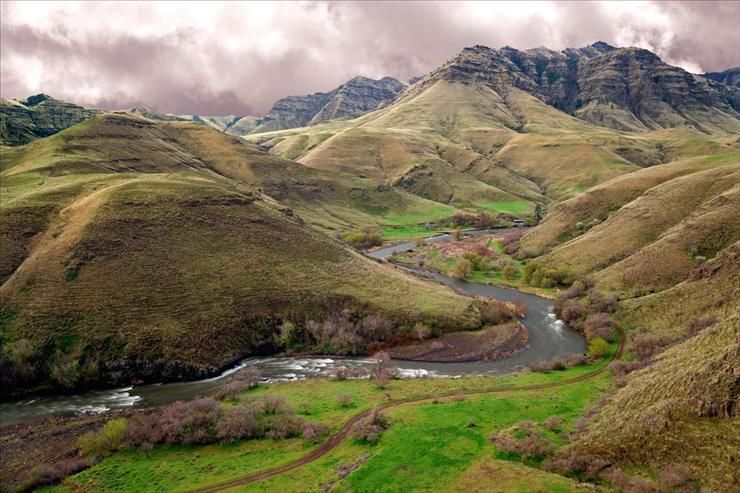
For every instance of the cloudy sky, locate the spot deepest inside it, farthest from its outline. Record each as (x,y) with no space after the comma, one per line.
(237,58)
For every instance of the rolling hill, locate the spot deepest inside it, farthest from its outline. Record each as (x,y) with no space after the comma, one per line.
(129,256)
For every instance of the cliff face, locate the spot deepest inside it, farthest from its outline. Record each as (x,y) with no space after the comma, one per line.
(36,117)
(354,97)
(621,88)
(730,77)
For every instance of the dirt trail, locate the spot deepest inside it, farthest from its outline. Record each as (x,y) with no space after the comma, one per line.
(344,432)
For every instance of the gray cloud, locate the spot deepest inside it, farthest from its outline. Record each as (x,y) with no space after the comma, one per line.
(239,58)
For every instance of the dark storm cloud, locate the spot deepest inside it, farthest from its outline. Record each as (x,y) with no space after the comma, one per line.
(238,58)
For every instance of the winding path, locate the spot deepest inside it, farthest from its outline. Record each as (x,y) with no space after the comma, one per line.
(336,439)
(344,432)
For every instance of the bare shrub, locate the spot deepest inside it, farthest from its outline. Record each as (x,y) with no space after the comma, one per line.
(571,462)
(239,422)
(314,431)
(523,440)
(576,360)
(622,368)
(282,426)
(511,237)
(370,429)
(639,485)
(616,477)
(275,404)
(241,381)
(572,311)
(520,307)
(180,422)
(343,373)
(345,400)
(495,312)
(600,325)
(555,364)
(483,251)
(646,346)
(383,370)
(553,423)
(479,221)
(50,474)
(678,478)
(696,325)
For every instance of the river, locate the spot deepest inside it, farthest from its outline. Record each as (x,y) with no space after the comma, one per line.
(548,338)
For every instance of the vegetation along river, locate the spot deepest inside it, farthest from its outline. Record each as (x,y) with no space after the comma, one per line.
(548,338)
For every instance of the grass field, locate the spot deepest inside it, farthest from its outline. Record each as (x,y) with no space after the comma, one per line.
(519,207)
(429,444)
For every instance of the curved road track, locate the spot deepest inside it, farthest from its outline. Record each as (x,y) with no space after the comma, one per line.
(344,432)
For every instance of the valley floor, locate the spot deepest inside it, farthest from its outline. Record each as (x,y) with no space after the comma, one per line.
(438,440)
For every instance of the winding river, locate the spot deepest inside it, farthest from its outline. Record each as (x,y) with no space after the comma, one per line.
(548,338)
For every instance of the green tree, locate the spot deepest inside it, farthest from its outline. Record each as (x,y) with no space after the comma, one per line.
(537,213)
(598,348)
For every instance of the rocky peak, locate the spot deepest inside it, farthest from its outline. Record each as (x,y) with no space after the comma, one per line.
(356,96)
(22,121)
(36,99)
(623,88)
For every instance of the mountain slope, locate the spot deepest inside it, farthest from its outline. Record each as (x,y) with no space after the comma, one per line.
(683,407)
(162,266)
(37,117)
(354,97)
(658,232)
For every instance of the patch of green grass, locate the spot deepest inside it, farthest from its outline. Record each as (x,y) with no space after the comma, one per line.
(406,232)
(440,436)
(513,207)
(435,213)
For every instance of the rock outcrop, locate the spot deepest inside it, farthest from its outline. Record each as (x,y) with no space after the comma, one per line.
(22,121)
(620,88)
(354,97)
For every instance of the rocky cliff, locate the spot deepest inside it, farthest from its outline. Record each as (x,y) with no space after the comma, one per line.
(354,97)
(22,121)
(621,88)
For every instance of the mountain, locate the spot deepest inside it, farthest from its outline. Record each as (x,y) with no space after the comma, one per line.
(354,97)
(620,88)
(499,129)
(135,249)
(22,121)
(729,77)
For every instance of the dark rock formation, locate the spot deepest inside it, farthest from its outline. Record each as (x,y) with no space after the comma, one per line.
(621,88)
(354,97)
(38,116)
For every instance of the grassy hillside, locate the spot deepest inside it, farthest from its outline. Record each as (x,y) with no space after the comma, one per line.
(158,261)
(572,217)
(673,412)
(653,241)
